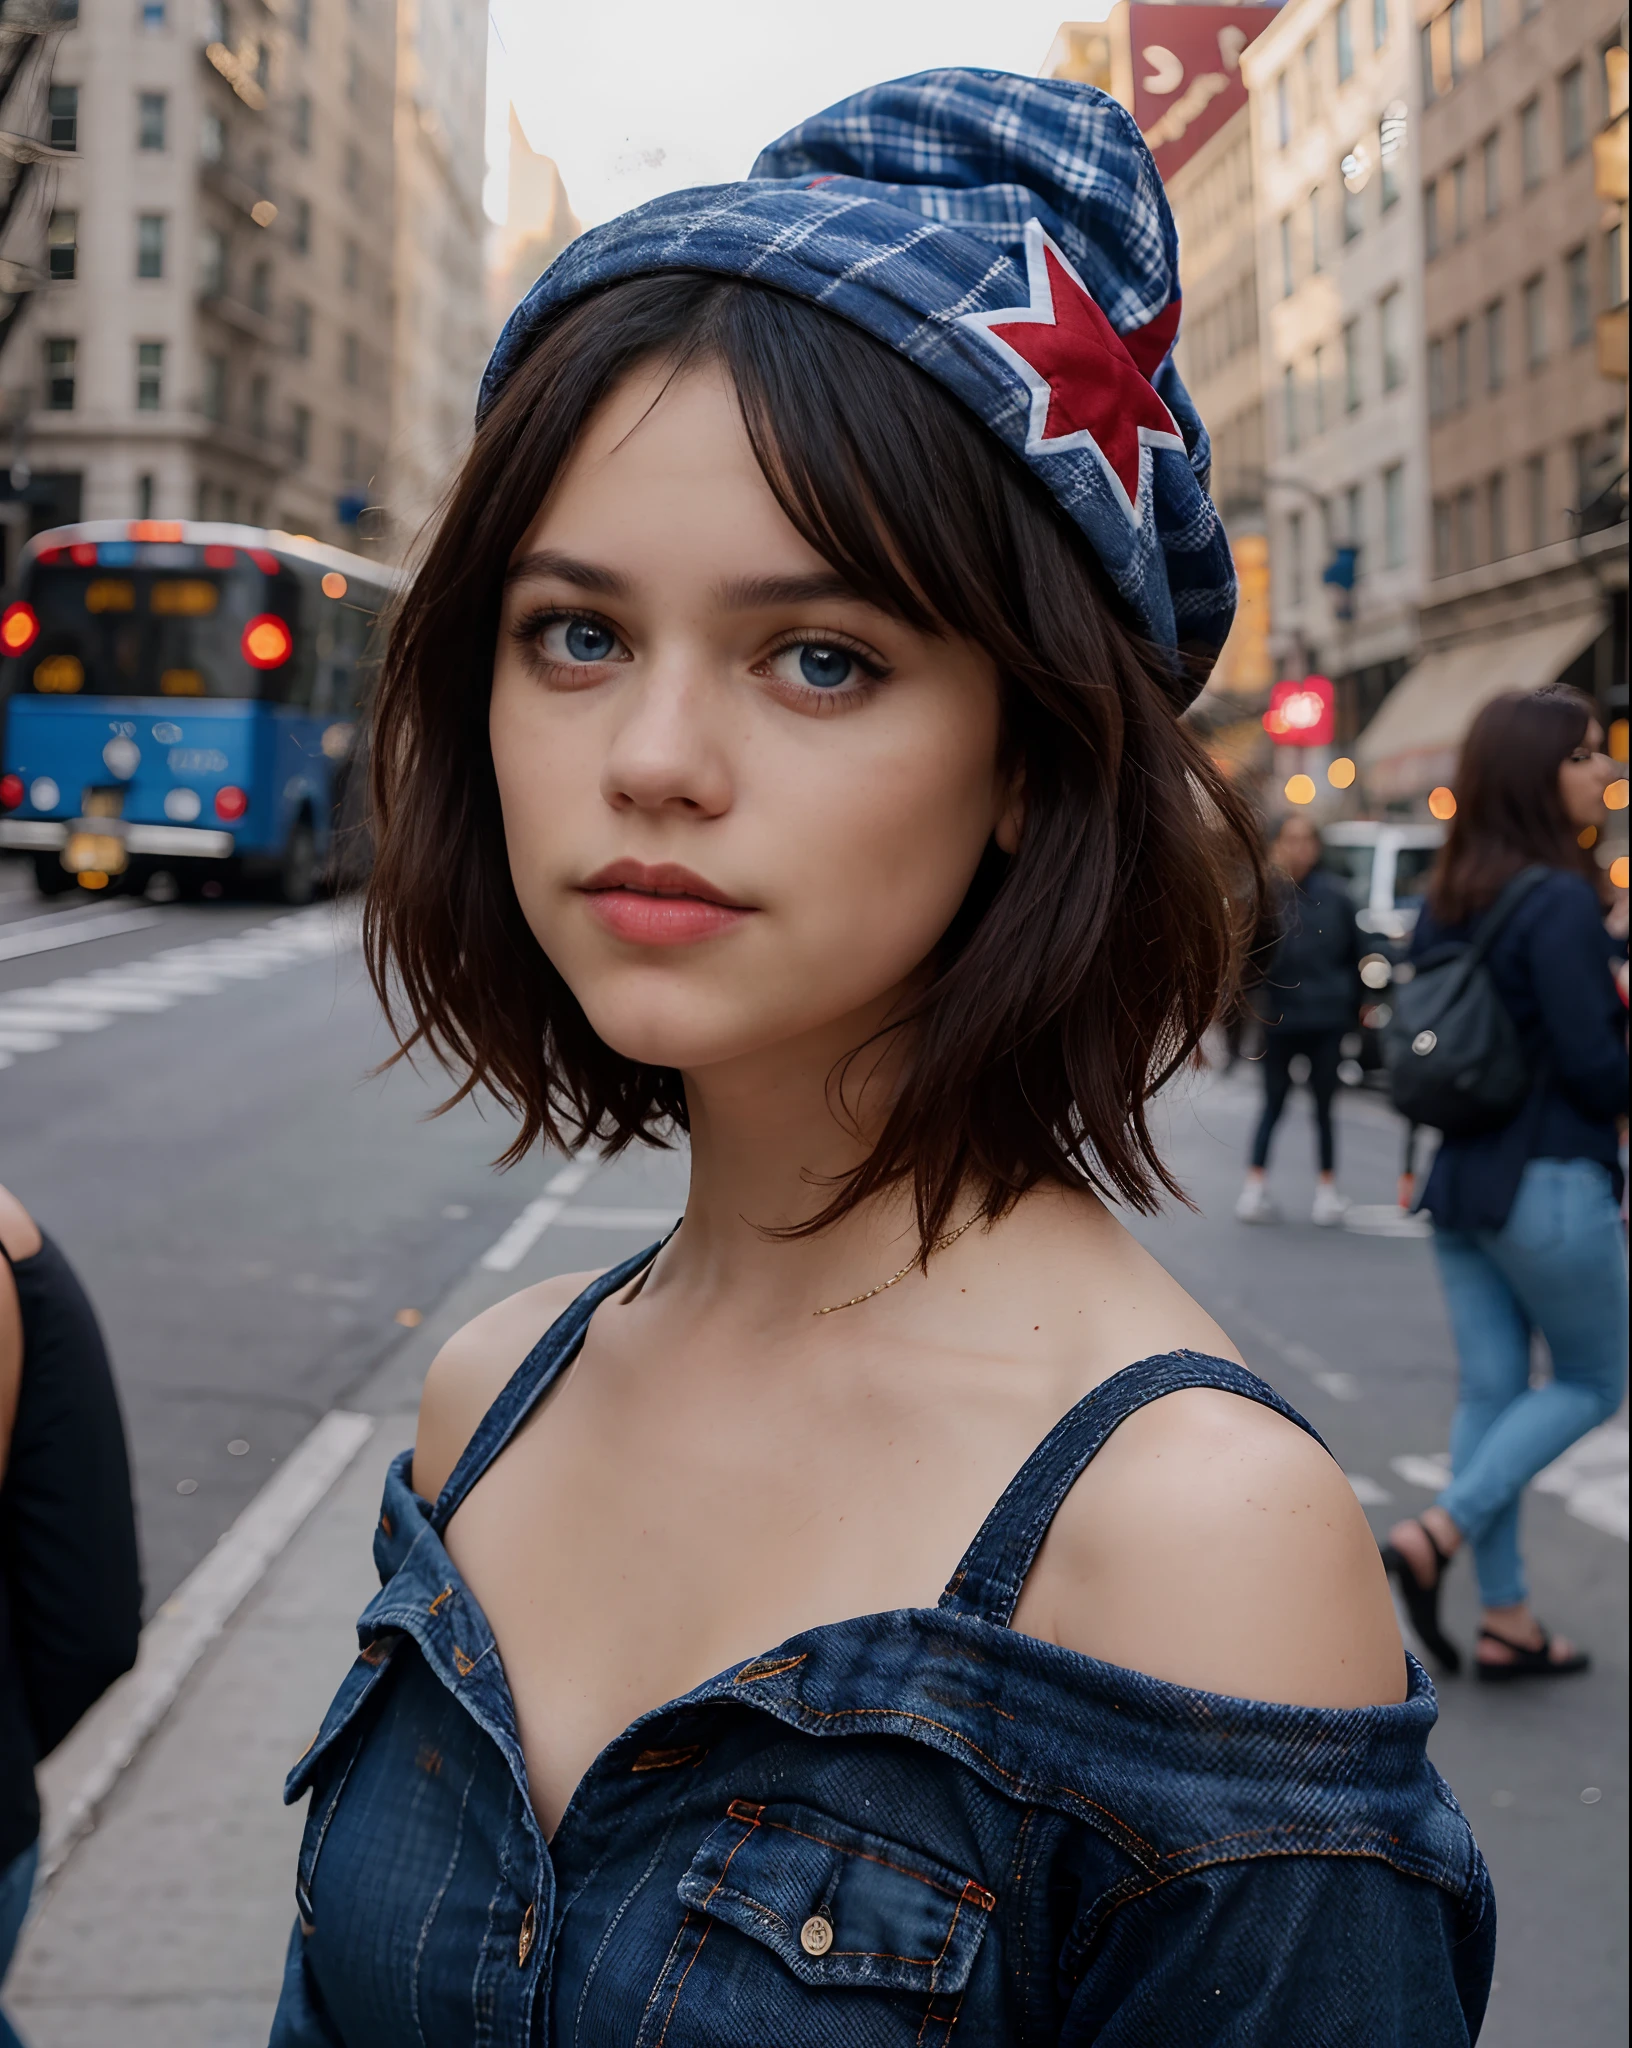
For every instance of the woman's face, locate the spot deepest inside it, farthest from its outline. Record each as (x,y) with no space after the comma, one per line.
(741,805)
(1583,778)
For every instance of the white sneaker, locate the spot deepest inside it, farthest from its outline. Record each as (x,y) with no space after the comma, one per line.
(1330,1207)
(1254,1204)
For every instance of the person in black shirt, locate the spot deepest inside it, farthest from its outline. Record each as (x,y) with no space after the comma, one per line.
(1309,997)
(70,1587)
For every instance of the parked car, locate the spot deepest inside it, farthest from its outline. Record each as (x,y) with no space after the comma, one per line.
(1386,868)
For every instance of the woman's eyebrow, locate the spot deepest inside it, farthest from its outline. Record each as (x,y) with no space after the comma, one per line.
(763,593)
(546,562)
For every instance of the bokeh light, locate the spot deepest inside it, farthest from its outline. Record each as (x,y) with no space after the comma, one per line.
(334,584)
(1300,789)
(1615,796)
(1587,836)
(1617,871)
(1441,803)
(1341,773)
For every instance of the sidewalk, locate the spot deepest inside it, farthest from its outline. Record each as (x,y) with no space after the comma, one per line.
(165,1926)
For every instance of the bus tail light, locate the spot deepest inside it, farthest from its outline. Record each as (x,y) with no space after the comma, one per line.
(230,804)
(266,642)
(154,529)
(19,628)
(11,792)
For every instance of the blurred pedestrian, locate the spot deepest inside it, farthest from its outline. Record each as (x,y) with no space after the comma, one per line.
(70,1591)
(1527,1226)
(1309,998)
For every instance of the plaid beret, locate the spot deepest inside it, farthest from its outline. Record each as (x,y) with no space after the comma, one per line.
(1008,235)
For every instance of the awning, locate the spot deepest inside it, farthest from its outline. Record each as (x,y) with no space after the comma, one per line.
(1412,743)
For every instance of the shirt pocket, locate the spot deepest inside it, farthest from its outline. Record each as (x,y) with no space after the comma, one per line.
(800,1928)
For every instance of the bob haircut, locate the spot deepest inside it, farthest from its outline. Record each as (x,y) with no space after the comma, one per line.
(1075,978)
(1509,814)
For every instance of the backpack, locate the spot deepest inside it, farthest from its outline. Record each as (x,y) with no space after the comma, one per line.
(1450,1048)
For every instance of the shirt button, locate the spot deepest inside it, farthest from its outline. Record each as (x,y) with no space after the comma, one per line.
(816,1936)
(524,1942)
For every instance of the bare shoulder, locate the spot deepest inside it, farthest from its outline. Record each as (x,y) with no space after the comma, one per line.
(19,1233)
(471,1370)
(1215,1544)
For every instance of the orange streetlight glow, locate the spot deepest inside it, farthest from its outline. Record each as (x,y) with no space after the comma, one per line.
(1441,803)
(1617,871)
(1341,773)
(1615,796)
(1300,789)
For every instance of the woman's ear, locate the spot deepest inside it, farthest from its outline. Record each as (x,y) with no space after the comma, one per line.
(1011,817)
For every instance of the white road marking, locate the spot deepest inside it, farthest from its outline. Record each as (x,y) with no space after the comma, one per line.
(509,1251)
(1432,1474)
(31,1019)
(1590,1478)
(615,1219)
(1367,1492)
(20,940)
(78,1776)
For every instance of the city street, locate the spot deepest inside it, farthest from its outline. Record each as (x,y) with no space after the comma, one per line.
(270,1234)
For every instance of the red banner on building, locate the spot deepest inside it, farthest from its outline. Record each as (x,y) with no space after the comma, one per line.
(1187,73)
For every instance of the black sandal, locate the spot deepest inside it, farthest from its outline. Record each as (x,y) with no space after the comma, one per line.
(1528,1662)
(1422,1602)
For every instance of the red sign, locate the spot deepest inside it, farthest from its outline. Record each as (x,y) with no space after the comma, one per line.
(1187,73)
(1301,714)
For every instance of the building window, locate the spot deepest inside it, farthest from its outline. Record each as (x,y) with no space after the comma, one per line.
(300,21)
(1572,112)
(300,434)
(349,462)
(1390,316)
(1490,24)
(149,375)
(1467,552)
(1289,408)
(1495,345)
(350,359)
(1442,536)
(1614,266)
(300,226)
(1320,389)
(300,123)
(1311,81)
(150,245)
(1315,263)
(1530,143)
(1394,515)
(1345,42)
(1496,516)
(145,495)
(215,388)
(1287,278)
(354,76)
(1459,198)
(1353,531)
(1283,113)
(62,117)
(1353,173)
(1535,498)
(1390,148)
(351,267)
(212,139)
(1457,36)
(1351,366)
(1379,23)
(1578,295)
(260,289)
(300,328)
(212,263)
(259,392)
(60,361)
(1425,54)
(1490,158)
(150,110)
(1462,364)
(152,14)
(1535,322)
(1430,219)
(353,169)
(1294,551)
(62,239)
(1436,379)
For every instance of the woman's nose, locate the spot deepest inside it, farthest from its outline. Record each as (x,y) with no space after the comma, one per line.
(666,750)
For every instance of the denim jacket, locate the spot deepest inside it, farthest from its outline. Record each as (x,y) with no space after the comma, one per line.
(877,1831)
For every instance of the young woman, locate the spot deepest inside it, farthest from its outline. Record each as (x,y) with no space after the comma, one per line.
(1527,1224)
(1309,996)
(779,746)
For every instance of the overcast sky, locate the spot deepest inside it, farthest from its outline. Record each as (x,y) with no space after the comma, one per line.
(637,97)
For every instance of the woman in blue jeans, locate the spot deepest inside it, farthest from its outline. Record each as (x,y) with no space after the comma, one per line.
(1527,1219)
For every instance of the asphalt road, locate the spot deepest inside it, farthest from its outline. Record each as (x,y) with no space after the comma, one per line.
(252,1214)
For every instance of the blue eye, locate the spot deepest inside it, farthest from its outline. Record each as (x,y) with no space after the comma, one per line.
(825,668)
(585,640)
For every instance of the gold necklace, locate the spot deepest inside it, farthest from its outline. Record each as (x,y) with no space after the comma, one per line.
(938,1245)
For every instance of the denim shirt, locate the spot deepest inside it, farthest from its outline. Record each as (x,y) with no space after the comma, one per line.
(879,1830)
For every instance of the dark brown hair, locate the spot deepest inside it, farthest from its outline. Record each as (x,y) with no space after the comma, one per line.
(1075,978)
(1509,813)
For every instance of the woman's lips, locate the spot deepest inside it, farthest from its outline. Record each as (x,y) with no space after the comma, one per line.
(659,906)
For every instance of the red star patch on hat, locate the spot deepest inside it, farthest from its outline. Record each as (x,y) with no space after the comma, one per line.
(1090,386)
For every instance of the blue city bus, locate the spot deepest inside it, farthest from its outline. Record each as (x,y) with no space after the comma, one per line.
(182,706)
